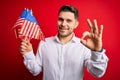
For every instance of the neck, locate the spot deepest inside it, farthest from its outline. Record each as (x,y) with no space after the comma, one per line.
(66,39)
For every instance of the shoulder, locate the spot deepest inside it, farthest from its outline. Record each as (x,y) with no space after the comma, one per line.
(48,40)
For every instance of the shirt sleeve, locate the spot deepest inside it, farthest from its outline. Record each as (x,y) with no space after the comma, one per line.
(33,62)
(96,63)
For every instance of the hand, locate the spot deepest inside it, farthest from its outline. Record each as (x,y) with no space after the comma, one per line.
(25,46)
(94,37)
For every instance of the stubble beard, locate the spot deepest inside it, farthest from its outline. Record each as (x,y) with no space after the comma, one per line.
(64,35)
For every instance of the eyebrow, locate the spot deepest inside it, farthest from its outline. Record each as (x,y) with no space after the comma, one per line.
(60,18)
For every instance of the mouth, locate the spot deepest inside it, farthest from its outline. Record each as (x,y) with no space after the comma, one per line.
(62,29)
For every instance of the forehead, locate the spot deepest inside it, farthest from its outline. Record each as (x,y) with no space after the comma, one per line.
(66,15)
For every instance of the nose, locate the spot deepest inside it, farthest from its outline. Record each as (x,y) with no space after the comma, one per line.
(64,23)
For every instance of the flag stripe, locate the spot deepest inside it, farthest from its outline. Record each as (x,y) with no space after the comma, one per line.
(30,26)
(19,22)
(32,30)
(23,27)
(27,26)
(37,33)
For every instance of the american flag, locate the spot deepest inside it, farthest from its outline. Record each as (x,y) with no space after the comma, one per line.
(27,25)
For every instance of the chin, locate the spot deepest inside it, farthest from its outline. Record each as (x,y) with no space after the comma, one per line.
(64,35)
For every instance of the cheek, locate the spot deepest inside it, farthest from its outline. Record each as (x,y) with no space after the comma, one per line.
(58,23)
(71,27)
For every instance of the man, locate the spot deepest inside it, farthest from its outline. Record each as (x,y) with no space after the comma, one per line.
(64,56)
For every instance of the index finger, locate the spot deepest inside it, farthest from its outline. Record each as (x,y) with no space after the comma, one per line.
(25,39)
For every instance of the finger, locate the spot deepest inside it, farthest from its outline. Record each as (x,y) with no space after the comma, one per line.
(101,30)
(85,34)
(24,44)
(23,49)
(90,25)
(95,29)
(26,40)
(84,42)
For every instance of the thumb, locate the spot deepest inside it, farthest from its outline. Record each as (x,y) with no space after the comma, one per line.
(85,34)
(83,41)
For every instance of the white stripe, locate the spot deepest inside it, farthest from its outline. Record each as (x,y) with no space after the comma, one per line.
(18,24)
(37,33)
(26,27)
(20,21)
(32,29)
(30,26)
(23,27)
(34,32)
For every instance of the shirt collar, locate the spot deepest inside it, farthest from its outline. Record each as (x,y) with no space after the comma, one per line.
(74,39)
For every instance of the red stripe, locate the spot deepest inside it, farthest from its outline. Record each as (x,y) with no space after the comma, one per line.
(23,26)
(31,32)
(27,28)
(37,33)
(19,22)
(31,26)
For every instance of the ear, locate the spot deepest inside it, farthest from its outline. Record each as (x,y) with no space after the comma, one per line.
(76,24)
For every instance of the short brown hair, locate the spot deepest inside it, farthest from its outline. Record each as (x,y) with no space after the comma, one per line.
(68,8)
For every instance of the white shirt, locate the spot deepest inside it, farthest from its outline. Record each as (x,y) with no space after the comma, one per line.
(65,61)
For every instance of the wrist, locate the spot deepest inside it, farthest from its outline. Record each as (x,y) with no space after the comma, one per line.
(100,50)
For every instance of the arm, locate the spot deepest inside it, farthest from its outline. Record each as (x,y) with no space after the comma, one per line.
(96,61)
(33,63)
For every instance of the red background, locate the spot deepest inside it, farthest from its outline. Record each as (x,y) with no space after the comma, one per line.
(106,13)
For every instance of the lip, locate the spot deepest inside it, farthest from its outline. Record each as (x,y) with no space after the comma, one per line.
(62,29)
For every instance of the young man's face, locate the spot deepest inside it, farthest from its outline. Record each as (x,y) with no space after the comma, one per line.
(66,23)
